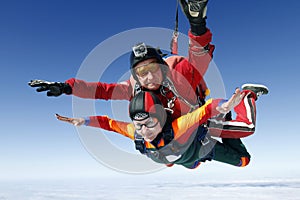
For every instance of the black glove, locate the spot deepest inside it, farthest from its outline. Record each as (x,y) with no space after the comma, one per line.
(195,11)
(52,88)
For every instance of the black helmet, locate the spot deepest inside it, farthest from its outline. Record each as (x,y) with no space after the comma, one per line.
(147,104)
(141,52)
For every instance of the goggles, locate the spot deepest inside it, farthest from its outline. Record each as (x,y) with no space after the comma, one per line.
(143,70)
(151,123)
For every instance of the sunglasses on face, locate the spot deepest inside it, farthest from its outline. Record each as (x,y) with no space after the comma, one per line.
(143,70)
(151,123)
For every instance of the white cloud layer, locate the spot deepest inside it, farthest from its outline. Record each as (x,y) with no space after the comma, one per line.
(140,188)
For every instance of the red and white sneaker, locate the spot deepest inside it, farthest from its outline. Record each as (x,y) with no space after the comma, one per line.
(256,88)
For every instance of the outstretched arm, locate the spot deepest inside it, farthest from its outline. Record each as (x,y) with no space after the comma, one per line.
(100,90)
(52,88)
(187,123)
(83,89)
(232,102)
(104,122)
(200,48)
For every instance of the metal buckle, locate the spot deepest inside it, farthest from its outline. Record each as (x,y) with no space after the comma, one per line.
(205,141)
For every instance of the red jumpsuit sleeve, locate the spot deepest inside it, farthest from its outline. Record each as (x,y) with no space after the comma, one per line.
(106,123)
(99,90)
(201,51)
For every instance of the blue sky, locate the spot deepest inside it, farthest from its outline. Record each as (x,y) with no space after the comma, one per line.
(256,41)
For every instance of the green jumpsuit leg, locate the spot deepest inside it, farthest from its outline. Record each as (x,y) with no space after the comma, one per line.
(231,151)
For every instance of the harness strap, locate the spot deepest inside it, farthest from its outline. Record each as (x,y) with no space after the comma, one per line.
(174,44)
(169,91)
(137,89)
(200,92)
(167,83)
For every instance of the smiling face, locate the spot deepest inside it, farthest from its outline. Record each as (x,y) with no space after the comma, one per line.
(148,128)
(149,74)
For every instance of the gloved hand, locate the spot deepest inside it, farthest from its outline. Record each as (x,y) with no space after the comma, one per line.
(52,88)
(195,11)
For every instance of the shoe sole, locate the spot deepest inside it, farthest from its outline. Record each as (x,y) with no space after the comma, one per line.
(248,86)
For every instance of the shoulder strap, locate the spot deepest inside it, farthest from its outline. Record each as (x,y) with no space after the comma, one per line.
(137,89)
(170,85)
(168,133)
(201,93)
(174,43)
